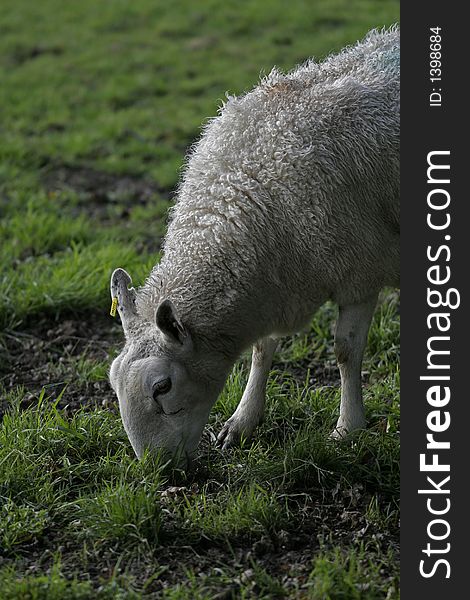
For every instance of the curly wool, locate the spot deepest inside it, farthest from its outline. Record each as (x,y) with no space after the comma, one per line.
(289,198)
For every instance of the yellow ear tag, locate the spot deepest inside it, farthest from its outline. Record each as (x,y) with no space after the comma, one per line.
(114,304)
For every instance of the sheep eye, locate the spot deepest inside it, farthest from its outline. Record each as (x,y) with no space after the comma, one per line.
(161,387)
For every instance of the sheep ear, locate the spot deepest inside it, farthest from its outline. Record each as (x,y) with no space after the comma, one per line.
(125,299)
(169,323)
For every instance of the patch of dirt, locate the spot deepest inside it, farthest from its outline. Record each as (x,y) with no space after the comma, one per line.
(22,54)
(320,366)
(321,373)
(100,194)
(54,355)
(330,22)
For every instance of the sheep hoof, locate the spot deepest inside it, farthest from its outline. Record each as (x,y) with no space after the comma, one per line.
(338,434)
(343,430)
(232,435)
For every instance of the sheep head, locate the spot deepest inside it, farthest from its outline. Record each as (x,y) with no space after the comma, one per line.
(164,386)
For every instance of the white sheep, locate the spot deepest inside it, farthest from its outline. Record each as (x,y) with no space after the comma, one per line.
(290,198)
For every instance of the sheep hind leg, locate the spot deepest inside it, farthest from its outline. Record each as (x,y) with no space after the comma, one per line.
(350,341)
(251,407)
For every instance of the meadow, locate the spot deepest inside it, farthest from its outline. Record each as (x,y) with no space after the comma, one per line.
(99,102)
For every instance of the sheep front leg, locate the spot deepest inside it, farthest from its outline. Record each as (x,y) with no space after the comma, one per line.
(350,341)
(251,408)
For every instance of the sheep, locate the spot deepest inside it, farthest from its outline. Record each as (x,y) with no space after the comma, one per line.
(290,198)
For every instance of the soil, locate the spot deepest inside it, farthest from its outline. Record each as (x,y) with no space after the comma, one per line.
(102,195)
(46,356)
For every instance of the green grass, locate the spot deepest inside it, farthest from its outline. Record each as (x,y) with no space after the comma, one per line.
(55,586)
(122,90)
(351,576)
(73,483)
(99,104)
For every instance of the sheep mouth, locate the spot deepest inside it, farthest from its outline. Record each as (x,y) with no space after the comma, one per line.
(170,414)
(166,414)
